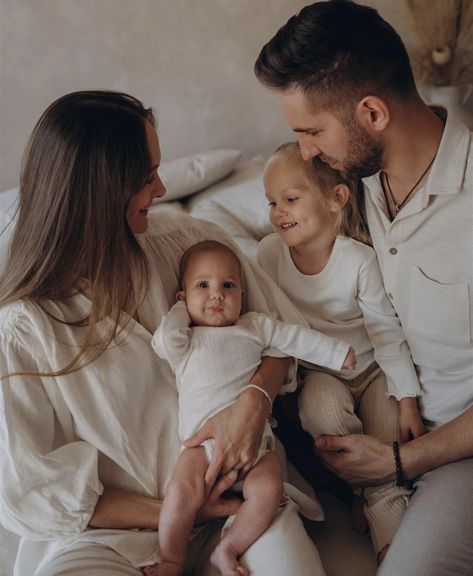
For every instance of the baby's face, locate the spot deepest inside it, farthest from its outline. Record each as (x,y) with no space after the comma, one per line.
(212,289)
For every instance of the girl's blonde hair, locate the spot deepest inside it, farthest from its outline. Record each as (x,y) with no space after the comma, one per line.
(86,158)
(350,220)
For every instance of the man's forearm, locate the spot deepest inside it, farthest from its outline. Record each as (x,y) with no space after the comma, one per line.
(123,510)
(448,443)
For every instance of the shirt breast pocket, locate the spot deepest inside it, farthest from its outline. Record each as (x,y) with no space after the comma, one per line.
(440,312)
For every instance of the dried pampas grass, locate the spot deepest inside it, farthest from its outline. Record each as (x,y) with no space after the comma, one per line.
(443,54)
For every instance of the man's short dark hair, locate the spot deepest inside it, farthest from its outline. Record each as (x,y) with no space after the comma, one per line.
(337,52)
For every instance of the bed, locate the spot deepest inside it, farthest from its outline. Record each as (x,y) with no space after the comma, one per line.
(216,185)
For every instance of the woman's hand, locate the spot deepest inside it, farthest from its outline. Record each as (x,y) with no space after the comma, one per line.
(359,459)
(217,506)
(237,431)
(410,423)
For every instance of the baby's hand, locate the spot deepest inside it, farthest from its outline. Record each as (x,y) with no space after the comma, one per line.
(350,360)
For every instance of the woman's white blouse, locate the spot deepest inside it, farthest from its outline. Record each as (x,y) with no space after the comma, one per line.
(112,423)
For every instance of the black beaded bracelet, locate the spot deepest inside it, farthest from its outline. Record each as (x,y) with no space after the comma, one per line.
(397,460)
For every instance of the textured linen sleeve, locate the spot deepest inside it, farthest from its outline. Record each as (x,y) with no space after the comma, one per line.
(384,329)
(49,487)
(301,342)
(171,340)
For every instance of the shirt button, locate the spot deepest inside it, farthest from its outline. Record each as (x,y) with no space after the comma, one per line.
(390,296)
(392,251)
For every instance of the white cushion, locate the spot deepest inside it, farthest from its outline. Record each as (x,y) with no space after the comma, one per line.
(191,174)
(8,201)
(238,205)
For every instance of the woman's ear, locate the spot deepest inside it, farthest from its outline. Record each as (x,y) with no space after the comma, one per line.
(341,194)
(372,113)
(181,295)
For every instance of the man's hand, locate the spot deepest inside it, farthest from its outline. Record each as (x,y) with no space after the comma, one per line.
(359,459)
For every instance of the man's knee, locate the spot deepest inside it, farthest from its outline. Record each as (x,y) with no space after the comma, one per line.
(435,535)
(327,412)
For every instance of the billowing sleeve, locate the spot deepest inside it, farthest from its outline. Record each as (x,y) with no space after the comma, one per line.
(49,484)
(384,329)
(171,340)
(301,342)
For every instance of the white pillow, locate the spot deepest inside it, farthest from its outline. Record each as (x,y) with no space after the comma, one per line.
(191,174)
(8,201)
(238,205)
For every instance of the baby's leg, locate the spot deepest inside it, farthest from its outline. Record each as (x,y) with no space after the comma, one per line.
(183,496)
(385,504)
(262,492)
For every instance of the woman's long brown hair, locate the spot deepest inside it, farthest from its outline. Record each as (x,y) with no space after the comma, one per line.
(86,158)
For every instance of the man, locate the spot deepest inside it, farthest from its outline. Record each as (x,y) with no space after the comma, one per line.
(345,83)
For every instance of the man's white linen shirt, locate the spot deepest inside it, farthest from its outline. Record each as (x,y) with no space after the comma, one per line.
(426,257)
(214,364)
(346,300)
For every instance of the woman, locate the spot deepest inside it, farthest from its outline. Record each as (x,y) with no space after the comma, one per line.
(88,430)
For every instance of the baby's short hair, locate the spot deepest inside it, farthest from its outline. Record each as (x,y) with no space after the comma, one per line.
(201,248)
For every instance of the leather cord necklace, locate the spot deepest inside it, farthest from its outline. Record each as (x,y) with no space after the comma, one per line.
(395,207)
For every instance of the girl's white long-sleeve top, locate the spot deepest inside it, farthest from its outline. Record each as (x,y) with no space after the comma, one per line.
(214,364)
(347,300)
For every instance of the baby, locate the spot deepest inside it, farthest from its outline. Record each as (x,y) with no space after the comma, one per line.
(214,351)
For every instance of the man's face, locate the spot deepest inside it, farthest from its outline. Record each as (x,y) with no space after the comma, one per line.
(344,146)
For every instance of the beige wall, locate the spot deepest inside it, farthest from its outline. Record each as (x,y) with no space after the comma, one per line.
(192,60)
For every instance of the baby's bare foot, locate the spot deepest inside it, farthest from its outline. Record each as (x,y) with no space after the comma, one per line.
(164,569)
(382,554)
(224,557)
(151,570)
(358,519)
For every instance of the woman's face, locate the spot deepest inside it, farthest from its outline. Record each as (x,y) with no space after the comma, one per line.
(137,211)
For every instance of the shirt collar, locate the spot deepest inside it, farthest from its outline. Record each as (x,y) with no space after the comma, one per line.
(448,170)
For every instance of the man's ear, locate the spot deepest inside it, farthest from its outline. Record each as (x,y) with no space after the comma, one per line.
(372,113)
(342,193)
(181,295)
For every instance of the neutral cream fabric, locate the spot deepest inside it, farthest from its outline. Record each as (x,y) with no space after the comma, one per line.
(272,554)
(188,175)
(328,405)
(112,423)
(436,534)
(426,258)
(346,300)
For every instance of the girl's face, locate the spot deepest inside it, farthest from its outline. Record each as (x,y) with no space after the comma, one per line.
(298,210)
(137,211)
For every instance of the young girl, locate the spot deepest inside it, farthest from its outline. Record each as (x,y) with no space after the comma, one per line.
(335,281)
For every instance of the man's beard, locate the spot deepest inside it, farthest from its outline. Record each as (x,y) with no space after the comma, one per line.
(364,156)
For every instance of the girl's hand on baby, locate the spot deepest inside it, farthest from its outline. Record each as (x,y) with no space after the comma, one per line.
(411,424)
(350,360)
